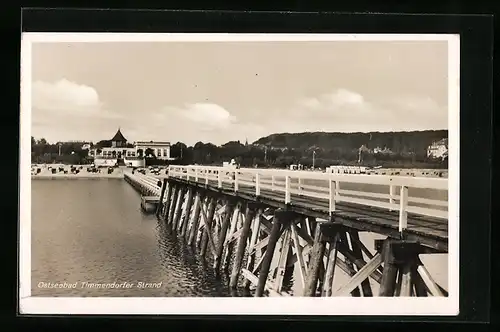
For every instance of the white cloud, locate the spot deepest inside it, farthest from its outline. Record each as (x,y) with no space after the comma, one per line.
(64,95)
(205,115)
(344,110)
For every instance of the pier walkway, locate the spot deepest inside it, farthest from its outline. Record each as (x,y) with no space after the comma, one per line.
(307,218)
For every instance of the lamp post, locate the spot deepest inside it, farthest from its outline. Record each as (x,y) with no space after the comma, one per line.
(314,158)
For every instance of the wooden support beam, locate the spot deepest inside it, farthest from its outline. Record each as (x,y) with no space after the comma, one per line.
(352,260)
(264,242)
(312,225)
(187,215)
(345,249)
(420,287)
(330,267)
(207,233)
(255,229)
(166,208)
(360,276)
(388,283)
(433,288)
(317,254)
(196,219)
(228,245)
(356,249)
(406,282)
(298,254)
(240,251)
(280,217)
(173,204)
(178,209)
(229,209)
(278,283)
(397,288)
(162,194)
(254,280)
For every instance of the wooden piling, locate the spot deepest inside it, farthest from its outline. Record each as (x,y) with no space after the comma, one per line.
(173,204)
(255,236)
(178,209)
(283,258)
(212,205)
(229,246)
(189,204)
(406,282)
(229,210)
(330,268)
(242,242)
(388,283)
(162,194)
(420,288)
(280,218)
(317,254)
(196,219)
(166,208)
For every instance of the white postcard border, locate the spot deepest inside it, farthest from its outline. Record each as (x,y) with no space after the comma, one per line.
(237,306)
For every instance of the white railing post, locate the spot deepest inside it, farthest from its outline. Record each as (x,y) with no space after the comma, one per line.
(333,191)
(392,190)
(403,214)
(287,190)
(187,174)
(272,183)
(196,174)
(337,188)
(300,186)
(206,177)
(257,184)
(236,180)
(219,178)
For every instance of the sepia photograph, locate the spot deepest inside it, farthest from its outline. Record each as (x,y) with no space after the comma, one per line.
(239,174)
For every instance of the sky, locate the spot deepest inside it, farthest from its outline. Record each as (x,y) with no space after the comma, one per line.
(223,91)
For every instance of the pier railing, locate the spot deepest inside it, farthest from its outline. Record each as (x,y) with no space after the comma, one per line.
(391,193)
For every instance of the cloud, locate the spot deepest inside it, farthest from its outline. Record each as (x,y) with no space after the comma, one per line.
(344,110)
(64,95)
(336,99)
(207,116)
(67,102)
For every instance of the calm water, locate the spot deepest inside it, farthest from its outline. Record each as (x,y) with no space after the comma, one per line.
(93,231)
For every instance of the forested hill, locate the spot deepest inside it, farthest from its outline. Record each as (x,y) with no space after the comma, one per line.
(406,141)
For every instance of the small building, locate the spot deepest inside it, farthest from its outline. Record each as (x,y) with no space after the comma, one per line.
(161,150)
(438,149)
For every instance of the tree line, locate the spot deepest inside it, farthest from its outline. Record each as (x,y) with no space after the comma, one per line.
(406,149)
(64,152)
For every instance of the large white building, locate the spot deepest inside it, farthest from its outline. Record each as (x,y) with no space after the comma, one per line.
(438,149)
(131,154)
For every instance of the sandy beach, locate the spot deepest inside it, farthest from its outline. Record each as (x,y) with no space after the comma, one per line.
(46,173)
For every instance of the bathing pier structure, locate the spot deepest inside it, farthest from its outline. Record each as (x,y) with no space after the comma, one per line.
(257,225)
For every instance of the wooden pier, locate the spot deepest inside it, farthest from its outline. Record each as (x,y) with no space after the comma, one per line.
(259,225)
